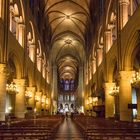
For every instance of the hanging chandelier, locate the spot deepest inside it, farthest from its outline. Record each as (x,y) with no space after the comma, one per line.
(135,78)
(114,90)
(12,88)
(37,98)
(28,94)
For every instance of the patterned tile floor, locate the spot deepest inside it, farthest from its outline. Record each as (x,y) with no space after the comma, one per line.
(68,131)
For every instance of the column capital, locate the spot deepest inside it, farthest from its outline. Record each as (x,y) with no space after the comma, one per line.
(21,82)
(21,24)
(107,32)
(39,58)
(38,93)
(110,27)
(124,2)
(108,86)
(98,49)
(3,69)
(125,75)
(93,59)
(32,45)
(44,96)
(33,89)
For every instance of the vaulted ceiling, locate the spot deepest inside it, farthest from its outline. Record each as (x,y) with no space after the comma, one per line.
(68,20)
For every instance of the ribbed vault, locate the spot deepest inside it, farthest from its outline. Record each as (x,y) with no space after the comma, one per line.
(68,21)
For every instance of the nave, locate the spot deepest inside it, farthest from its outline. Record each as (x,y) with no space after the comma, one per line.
(68,131)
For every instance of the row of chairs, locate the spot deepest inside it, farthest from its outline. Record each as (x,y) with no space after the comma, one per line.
(31,129)
(107,129)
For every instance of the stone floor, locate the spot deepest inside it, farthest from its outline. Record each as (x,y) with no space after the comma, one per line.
(68,131)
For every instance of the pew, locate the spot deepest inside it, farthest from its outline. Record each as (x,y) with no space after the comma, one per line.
(107,129)
(35,129)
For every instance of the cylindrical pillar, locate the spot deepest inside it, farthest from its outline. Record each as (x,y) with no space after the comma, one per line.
(2,91)
(32,52)
(20,98)
(38,102)
(108,40)
(39,63)
(47,75)
(131,7)
(125,95)
(11,18)
(93,65)
(32,99)
(16,26)
(138,104)
(1,4)
(123,12)
(100,55)
(43,104)
(54,91)
(109,101)
(90,70)
(21,32)
(81,89)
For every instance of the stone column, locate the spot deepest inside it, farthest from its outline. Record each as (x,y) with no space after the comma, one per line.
(21,33)
(38,103)
(54,90)
(90,70)
(108,40)
(91,63)
(9,102)
(81,88)
(138,104)
(1,8)
(131,7)
(10,24)
(46,75)
(43,104)
(94,65)
(32,99)
(109,101)
(47,105)
(99,55)
(44,71)
(125,95)
(2,91)
(20,98)
(123,12)
(39,63)
(32,51)
(16,24)
(86,75)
